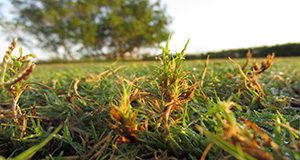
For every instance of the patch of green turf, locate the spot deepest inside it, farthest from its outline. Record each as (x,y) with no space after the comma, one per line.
(55,97)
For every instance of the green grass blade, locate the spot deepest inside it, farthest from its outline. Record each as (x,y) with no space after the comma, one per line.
(234,151)
(185,46)
(31,151)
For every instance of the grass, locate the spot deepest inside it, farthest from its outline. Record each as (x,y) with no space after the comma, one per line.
(166,109)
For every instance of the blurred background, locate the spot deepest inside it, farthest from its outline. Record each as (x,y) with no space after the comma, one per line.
(135,29)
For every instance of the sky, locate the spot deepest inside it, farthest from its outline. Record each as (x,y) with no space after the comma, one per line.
(213,25)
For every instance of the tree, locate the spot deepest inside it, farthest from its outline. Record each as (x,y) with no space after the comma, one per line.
(56,25)
(135,23)
(92,26)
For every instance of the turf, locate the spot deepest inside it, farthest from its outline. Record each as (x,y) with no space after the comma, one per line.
(117,111)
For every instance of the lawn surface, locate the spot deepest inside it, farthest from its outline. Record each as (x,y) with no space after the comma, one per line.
(118,111)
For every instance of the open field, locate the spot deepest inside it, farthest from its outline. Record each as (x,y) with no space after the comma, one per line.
(98,86)
(83,69)
(158,110)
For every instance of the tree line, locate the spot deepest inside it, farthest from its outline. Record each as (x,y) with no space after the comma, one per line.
(280,50)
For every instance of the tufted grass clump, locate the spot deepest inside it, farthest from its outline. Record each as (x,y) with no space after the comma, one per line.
(175,87)
(14,72)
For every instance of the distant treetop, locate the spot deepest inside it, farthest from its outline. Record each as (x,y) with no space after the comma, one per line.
(92,27)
